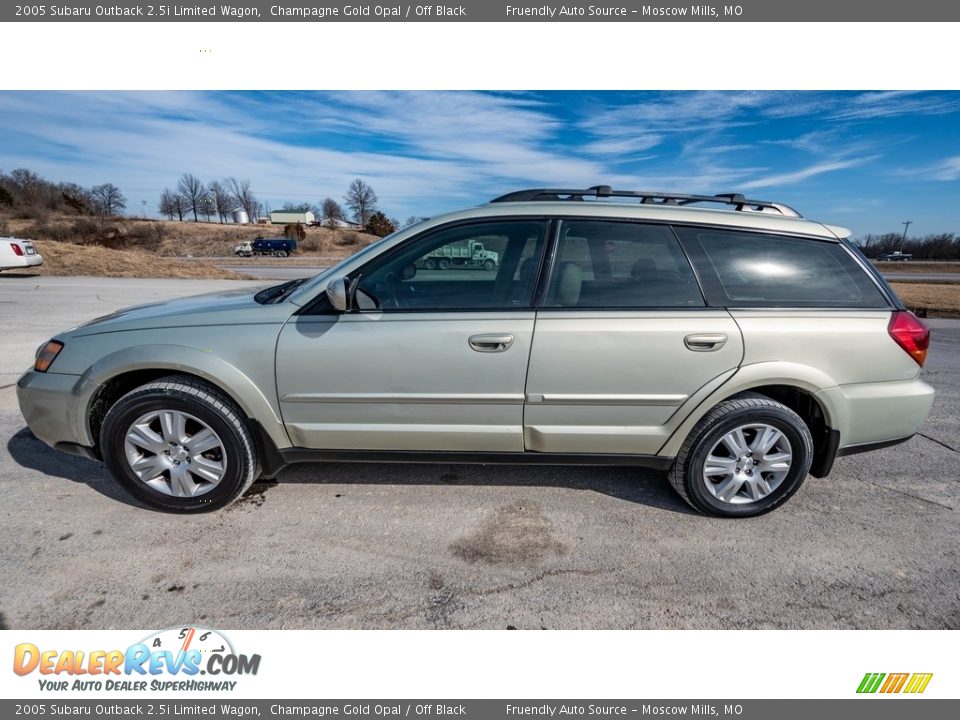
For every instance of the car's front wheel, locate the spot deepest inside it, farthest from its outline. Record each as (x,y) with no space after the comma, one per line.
(179,444)
(745,457)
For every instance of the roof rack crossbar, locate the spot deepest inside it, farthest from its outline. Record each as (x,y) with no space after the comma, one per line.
(738,201)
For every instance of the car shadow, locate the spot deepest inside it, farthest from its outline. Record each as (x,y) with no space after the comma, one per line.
(636,485)
(29,452)
(8,274)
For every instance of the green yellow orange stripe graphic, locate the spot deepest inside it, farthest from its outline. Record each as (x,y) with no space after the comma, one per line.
(894,683)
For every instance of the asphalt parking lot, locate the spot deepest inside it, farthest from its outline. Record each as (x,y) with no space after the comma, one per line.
(875,545)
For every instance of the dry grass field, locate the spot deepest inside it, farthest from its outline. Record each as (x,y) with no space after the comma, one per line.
(919,266)
(930,299)
(130,247)
(182,239)
(60,258)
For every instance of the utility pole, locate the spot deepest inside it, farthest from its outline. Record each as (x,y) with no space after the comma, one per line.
(906,225)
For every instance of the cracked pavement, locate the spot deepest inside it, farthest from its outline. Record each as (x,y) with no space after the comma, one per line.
(875,545)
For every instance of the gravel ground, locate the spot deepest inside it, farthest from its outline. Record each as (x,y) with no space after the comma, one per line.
(875,545)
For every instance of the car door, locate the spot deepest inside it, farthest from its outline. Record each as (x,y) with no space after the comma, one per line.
(623,341)
(428,358)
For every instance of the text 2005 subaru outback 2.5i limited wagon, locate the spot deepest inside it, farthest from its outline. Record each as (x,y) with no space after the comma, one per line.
(737,348)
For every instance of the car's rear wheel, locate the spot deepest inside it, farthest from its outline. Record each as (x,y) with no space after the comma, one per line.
(179,444)
(745,457)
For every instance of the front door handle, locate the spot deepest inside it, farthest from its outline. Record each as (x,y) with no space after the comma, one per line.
(705,342)
(491,343)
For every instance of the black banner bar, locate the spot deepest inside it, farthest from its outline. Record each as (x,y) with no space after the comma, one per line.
(487,11)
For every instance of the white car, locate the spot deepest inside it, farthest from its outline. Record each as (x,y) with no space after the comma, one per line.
(18,253)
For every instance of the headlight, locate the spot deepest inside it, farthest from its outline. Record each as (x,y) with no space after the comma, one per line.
(46,355)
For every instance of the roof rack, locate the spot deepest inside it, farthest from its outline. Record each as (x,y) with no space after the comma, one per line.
(739,202)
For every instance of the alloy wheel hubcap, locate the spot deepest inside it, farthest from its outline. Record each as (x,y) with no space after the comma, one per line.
(175,453)
(747,464)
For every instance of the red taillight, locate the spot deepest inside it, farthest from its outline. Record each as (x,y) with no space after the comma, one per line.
(911,334)
(17,250)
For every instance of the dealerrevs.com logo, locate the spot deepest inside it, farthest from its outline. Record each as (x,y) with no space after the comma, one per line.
(178,659)
(890,683)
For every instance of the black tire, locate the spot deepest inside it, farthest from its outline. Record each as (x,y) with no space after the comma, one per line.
(686,475)
(443,264)
(430,264)
(282,253)
(206,403)
(489,264)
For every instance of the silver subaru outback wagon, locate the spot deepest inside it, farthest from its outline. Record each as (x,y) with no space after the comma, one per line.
(726,341)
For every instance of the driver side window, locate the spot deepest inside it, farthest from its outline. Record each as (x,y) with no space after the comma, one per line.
(478,266)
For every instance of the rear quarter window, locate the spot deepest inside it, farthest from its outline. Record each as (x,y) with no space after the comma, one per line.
(745,269)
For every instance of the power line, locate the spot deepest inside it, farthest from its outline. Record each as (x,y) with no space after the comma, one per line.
(906,225)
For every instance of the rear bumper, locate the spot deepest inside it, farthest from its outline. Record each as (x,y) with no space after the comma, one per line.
(50,407)
(874,414)
(21,261)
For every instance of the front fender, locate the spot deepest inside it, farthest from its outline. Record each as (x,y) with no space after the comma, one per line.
(179,359)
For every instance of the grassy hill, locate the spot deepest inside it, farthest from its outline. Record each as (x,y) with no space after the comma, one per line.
(180,239)
(130,247)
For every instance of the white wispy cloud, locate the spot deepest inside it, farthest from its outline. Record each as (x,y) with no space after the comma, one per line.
(947,170)
(466,145)
(425,152)
(790,178)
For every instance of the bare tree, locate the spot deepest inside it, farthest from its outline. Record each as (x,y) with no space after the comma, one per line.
(75,197)
(297,207)
(107,199)
(169,204)
(362,200)
(244,197)
(332,212)
(222,199)
(181,205)
(207,207)
(192,190)
(30,186)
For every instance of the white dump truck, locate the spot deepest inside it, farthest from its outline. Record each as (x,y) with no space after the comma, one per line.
(469,255)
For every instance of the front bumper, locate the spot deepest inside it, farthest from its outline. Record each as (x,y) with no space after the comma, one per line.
(49,404)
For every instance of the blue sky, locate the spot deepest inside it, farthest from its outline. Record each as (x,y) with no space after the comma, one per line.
(868,160)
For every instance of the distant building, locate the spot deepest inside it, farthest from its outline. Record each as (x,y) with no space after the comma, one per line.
(279,217)
(337,222)
(240,216)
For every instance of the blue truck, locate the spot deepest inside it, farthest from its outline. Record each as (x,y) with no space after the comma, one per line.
(279,247)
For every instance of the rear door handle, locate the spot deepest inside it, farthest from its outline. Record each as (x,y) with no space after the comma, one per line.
(705,342)
(491,343)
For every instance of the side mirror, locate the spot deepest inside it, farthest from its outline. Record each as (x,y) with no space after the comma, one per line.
(337,294)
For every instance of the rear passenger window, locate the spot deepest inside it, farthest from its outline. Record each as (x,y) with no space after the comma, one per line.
(757,270)
(606,264)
